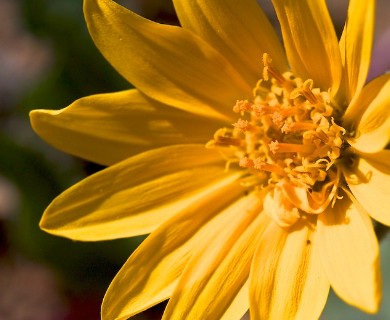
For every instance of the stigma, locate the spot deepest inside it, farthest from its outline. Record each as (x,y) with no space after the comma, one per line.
(287,142)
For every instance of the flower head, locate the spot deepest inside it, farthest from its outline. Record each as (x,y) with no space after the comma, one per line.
(255,169)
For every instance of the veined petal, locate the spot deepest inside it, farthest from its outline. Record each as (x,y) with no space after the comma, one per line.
(219,264)
(239,306)
(356,44)
(239,29)
(136,195)
(168,63)
(369,182)
(152,271)
(287,280)
(107,128)
(310,41)
(350,255)
(372,109)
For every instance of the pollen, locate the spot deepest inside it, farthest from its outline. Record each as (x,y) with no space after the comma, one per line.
(287,142)
(244,125)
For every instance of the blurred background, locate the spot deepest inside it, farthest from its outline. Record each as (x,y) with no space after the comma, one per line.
(47,60)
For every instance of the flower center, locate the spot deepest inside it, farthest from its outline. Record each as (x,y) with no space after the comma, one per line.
(288,142)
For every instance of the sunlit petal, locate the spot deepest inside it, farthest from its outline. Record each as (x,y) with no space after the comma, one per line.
(220,264)
(287,280)
(108,128)
(310,41)
(167,63)
(151,273)
(136,195)
(350,255)
(239,306)
(369,93)
(372,113)
(369,182)
(356,44)
(239,29)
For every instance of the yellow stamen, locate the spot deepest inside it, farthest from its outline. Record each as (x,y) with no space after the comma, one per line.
(321,135)
(306,91)
(270,167)
(222,138)
(289,138)
(270,70)
(242,106)
(279,116)
(245,162)
(227,141)
(262,109)
(298,126)
(243,125)
(277,147)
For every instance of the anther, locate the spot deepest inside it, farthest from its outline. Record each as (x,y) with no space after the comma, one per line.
(222,137)
(298,126)
(243,125)
(227,141)
(270,70)
(262,109)
(307,93)
(279,116)
(242,106)
(245,162)
(270,167)
(322,136)
(277,147)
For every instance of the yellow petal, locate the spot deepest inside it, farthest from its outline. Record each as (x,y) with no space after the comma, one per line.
(219,267)
(369,182)
(287,280)
(356,44)
(239,29)
(239,306)
(151,273)
(136,195)
(372,113)
(310,40)
(107,128)
(168,63)
(277,206)
(369,93)
(350,255)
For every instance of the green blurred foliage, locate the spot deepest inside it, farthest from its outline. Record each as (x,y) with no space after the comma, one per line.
(79,69)
(84,266)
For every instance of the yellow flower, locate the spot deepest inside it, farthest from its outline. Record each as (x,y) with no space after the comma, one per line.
(255,169)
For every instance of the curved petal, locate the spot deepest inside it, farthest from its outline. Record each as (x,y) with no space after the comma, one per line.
(151,273)
(356,44)
(136,195)
(239,29)
(350,255)
(373,110)
(287,280)
(168,63)
(220,264)
(369,182)
(107,128)
(311,42)
(370,92)
(277,206)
